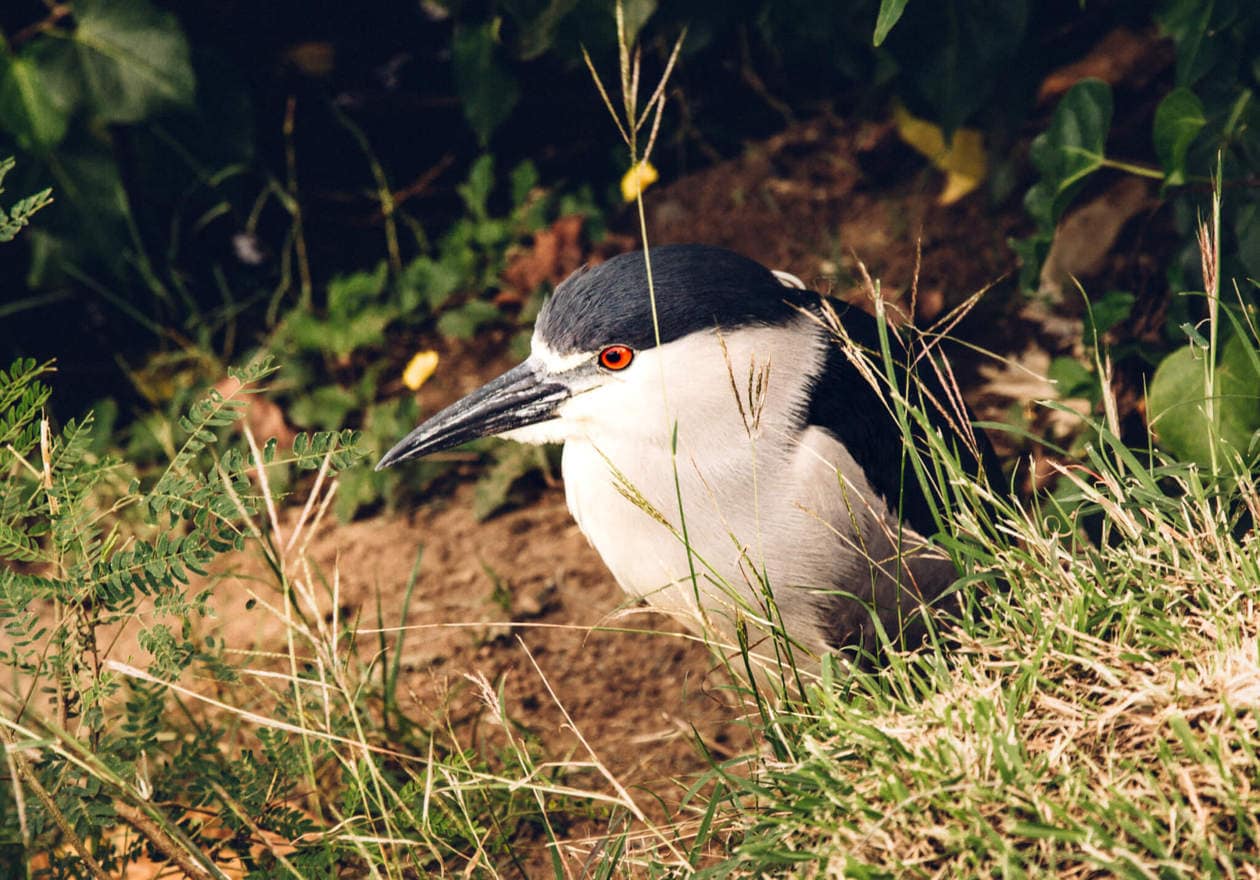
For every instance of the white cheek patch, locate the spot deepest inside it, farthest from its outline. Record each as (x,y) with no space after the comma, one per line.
(550,431)
(553,362)
(787,279)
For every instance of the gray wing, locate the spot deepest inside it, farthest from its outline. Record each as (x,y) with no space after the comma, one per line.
(855,561)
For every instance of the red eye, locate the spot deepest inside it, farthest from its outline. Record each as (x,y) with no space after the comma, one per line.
(616,357)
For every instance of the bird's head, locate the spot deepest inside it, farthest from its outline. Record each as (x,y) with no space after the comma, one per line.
(595,346)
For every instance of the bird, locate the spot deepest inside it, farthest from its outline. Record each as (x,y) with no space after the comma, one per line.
(728,458)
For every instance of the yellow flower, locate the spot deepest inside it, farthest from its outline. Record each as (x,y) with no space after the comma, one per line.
(637,179)
(419,369)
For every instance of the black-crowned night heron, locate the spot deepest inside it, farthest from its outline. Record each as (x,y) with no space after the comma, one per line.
(744,462)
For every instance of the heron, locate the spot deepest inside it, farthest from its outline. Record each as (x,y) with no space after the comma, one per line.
(724,454)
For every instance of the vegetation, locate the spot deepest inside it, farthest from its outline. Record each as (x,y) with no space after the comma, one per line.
(1092,713)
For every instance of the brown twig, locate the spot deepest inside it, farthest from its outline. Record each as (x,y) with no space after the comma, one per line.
(291,186)
(162,841)
(28,776)
(56,14)
(420,185)
(262,837)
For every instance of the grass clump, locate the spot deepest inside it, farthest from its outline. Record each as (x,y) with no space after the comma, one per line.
(1099,717)
(1092,714)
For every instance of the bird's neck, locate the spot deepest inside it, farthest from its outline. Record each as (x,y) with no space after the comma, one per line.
(726,429)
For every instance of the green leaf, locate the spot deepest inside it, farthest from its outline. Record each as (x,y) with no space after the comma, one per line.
(1190,25)
(475,191)
(538,33)
(1110,310)
(955,56)
(92,218)
(1247,233)
(427,282)
(485,85)
(1072,148)
(131,57)
(1178,402)
(636,15)
(1178,120)
(463,323)
(339,336)
(889,14)
(19,215)
(1072,378)
(326,407)
(29,111)
(524,179)
(349,293)
(512,461)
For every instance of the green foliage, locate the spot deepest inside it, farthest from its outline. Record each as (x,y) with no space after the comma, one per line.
(1210,112)
(90,64)
(1207,127)
(20,212)
(86,553)
(335,360)
(1188,422)
(486,87)
(1070,150)
(354,319)
(890,12)
(112,62)
(1178,121)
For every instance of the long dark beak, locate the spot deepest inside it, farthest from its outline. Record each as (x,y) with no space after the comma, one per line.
(521,396)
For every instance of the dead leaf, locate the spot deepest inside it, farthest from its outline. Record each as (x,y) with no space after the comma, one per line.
(554,254)
(1120,56)
(315,59)
(1085,236)
(963,159)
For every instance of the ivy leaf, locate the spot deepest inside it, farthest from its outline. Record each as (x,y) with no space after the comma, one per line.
(92,214)
(1178,120)
(1072,148)
(131,57)
(955,55)
(889,14)
(29,111)
(1190,24)
(485,85)
(1178,403)
(539,32)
